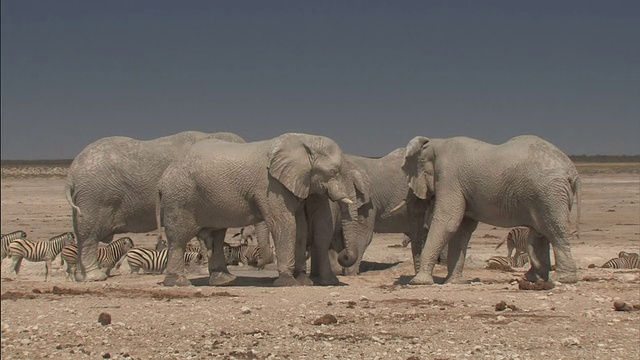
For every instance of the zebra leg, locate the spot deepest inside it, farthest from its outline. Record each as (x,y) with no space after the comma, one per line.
(47,267)
(17,262)
(458,251)
(219,275)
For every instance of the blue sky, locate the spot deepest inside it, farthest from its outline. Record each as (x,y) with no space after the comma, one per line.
(369,74)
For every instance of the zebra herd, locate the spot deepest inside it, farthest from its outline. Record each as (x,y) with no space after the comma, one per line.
(18,247)
(517,241)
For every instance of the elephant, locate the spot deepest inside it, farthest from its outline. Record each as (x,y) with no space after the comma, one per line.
(218,185)
(381,185)
(111,187)
(457,182)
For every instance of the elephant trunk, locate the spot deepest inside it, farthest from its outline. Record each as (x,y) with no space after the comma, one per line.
(337,191)
(350,226)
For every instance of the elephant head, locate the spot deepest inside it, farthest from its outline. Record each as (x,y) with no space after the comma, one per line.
(418,165)
(307,164)
(352,219)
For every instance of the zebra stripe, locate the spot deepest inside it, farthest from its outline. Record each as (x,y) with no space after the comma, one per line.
(631,262)
(516,239)
(624,254)
(505,262)
(245,254)
(8,239)
(108,256)
(153,261)
(37,251)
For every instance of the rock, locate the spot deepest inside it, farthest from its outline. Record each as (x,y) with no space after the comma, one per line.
(501,306)
(106,355)
(104,319)
(622,306)
(363,298)
(570,341)
(245,310)
(512,307)
(335,294)
(326,319)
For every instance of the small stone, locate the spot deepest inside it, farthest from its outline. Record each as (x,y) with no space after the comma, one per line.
(570,341)
(326,319)
(245,310)
(363,298)
(104,319)
(622,306)
(501,306)
(335,294)
(106,355)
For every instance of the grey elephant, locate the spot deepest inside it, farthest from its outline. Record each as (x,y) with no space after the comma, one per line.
(219,185)
(380,185)
(111,186)
(458,182)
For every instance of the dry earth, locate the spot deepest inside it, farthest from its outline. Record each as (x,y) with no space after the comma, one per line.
(373,316)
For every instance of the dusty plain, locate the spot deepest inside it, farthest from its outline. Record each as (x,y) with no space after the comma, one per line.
(377,315)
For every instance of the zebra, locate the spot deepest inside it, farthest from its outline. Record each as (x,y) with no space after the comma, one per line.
(108,256)
(624,254)
(516,240)
(246,235)
(631,262)
(245,254)
(506,262)
(38,251)
(153,261)
(8,239)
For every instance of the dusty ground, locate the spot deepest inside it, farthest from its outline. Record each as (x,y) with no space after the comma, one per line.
(377,316)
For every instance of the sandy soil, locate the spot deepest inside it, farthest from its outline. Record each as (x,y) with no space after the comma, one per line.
(373,316)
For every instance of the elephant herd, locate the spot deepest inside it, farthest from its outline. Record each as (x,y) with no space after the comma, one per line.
(308,194)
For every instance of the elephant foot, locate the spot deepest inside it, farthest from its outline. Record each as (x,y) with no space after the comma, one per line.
(176,280)
(565,278)
(531,276)
(327,281)
(91,275)
(422,278)
(304,280)
(286,280)
(217,278)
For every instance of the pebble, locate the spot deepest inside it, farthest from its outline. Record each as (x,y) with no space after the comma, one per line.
(335,294)
(245,310)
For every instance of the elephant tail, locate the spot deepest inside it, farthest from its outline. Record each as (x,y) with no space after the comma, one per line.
(577,194)
(68,190)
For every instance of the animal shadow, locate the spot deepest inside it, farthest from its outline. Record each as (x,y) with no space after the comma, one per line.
(239,281)
(404,280)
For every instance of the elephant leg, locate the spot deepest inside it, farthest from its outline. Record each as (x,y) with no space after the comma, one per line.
(538,251)
(177,239)
(458,251)
(300,268)
(87,267)
(444,225)
(566,269)
(219,274)
(283,230)
(261,232)
(417,210)
(320,258)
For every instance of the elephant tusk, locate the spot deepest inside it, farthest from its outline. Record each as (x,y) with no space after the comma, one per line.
(346,201)
(403,203)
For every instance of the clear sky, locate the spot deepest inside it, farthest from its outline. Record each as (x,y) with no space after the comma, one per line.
(369,74)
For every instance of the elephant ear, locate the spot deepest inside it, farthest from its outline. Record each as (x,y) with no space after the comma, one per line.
(290,163)
(362,185)
(418,166)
